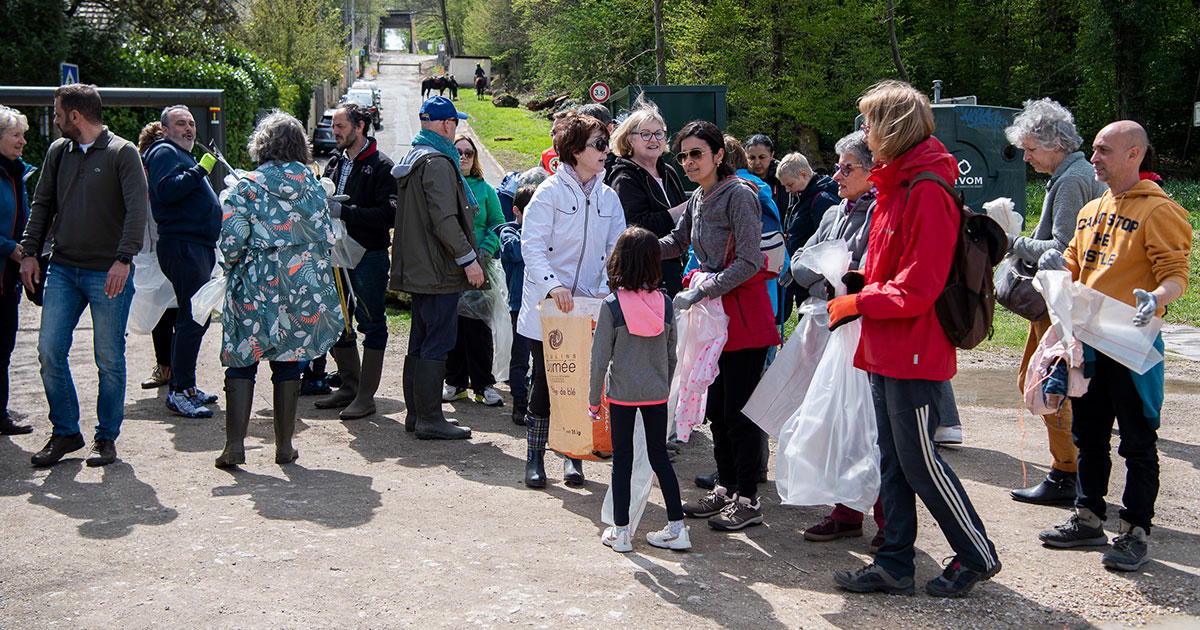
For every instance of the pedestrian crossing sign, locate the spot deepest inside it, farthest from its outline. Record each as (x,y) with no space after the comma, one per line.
(68,73)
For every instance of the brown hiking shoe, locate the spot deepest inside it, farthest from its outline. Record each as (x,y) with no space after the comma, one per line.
(738,514)
(830,529)
(708,505)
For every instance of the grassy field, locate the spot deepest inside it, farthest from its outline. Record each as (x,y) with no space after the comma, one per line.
(530,131)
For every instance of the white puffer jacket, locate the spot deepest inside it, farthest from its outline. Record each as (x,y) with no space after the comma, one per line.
(566,239)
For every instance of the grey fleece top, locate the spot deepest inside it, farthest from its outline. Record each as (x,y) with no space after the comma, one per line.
(631,368)
(1069,189)
(850,221)
(724,228)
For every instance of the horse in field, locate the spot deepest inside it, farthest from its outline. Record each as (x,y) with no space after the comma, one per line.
(480,86)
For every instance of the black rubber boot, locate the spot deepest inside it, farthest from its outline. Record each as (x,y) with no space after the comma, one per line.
(427,390)
(410,402)
(537,430)
(708,482)
(287,395)
(1057,489)
(363,404)
(349,369)
(573,472)
(239,398)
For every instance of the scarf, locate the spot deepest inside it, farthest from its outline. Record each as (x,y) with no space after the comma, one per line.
(445,147)
(587,187)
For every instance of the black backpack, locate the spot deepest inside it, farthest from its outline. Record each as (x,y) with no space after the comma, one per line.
(965,307)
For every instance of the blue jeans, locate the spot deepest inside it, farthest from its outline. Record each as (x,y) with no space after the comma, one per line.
(68,291)
(188,266)
(369,280)
(434,326)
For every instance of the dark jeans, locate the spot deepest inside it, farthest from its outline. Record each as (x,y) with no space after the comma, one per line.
(163,336)
(280,371)
(188,266)
(736,439)
(9,300)
(518,367)
(654,420)
(907,412)
(1111,395)
(434,325)
(539,393)
(369,281)
(470,361)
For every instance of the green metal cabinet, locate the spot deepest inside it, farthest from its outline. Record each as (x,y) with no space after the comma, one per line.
(679,105)
(988,166)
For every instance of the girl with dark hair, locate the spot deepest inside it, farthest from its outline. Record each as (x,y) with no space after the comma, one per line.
(633,361)
(722,224)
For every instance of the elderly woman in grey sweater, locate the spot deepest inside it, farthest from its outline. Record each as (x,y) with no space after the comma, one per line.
(1046,131)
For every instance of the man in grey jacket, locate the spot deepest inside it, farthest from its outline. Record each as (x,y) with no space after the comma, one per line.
(433,259)
(91,202)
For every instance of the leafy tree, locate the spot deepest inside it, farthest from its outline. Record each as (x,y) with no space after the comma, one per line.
(306,36)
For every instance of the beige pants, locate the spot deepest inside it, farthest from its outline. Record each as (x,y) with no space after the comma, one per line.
(1058,425)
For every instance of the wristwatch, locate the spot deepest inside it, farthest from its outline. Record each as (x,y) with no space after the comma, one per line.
(28,253)
(124,259)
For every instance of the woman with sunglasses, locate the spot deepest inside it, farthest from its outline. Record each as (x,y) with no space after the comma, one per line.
(571,226)
(470,361)
(649,188)
(722,224)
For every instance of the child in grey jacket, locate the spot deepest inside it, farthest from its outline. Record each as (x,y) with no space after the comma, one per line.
(633,360)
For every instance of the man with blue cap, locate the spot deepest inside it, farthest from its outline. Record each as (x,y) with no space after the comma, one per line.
(433,259)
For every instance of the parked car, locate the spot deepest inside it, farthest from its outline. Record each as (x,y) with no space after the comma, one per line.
(322,139)
(371,85)
(363,97)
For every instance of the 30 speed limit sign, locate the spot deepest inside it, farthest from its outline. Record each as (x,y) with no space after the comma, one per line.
(599,92)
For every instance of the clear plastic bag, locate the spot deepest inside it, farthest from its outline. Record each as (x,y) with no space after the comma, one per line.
(701,332)
(346,252)
(641,481)
(152,294)
(501,323)
(208,299)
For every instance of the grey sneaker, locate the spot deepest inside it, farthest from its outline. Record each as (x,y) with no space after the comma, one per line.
(958,579)
(738,514)
(1083,529)
(708,505)
(873,578)
(1129,549)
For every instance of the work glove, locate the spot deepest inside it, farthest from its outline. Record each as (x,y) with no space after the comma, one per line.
(207,162)
(335,205)
(842,310)
(1052,260)
(853,280)
(1147,304)
(485,257)
(687,298)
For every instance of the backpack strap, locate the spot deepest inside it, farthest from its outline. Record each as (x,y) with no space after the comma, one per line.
(924,176)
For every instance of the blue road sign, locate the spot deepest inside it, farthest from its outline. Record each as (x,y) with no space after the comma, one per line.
(68,73)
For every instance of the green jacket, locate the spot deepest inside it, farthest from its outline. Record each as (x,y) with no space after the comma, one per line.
(434,240)
(489,216)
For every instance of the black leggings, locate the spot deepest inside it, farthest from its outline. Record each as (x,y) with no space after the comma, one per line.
(736,439)
(654,420)
(163,336)
(539,393)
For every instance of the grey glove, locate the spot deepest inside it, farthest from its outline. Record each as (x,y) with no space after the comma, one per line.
(785,279)
(1147,304)
(1052,260)
(686,298)
(335,205)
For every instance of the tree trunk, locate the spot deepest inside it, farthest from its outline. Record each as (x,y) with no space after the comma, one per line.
(446,31)
(891,20)
(660,48)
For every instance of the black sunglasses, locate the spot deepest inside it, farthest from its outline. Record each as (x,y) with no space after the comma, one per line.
(599,144)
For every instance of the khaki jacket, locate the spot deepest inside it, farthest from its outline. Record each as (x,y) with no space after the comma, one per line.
(435,225)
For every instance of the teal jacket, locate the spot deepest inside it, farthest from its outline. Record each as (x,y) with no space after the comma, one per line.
(489,217)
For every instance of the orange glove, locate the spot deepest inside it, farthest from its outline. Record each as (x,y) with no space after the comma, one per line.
(842,310)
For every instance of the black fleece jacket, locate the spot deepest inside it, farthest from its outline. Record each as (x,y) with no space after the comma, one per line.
(642,198)
(370,213)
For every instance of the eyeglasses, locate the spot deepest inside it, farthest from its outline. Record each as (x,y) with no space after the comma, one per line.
(846,169)
(647,136)
(693,155)
(599,144)
(467,153)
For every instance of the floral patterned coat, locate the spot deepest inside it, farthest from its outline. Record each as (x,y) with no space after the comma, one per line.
(281,303)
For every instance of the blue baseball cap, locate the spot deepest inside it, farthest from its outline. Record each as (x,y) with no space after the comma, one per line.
(440,108)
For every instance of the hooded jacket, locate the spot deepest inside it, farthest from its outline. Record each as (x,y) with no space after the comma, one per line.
(804,215)
(370,212)
(643,200)
(183,203)
(14,210)
(909,250)
(434,239)
(635,332)
(565,240)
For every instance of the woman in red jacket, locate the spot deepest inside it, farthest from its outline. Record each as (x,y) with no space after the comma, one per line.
(904,349)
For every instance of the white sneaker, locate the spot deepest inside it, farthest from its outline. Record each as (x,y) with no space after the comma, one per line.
(664,539)
(948,435)
(618,539)
(451,393)
(490,397)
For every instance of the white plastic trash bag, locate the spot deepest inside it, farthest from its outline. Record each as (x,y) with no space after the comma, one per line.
(209,298)
(1001,211)
(701,332)
(640,482)
(827,450)
(346,252)
(501,322)
(152,294)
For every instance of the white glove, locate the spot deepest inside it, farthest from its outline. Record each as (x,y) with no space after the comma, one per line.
(1052,260)
(1147,304)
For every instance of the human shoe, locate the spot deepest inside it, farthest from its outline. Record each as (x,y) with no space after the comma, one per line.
(201,397)
(54,449)
(573,472)
(183,404)
(490,397)
(617,538)
(667,538)
(708,505)
(957,579)
(315,386)
(738,514)
(948,436)
(1082,529)
(8,427)
(1058,488)
(104,452)
(830,529)
(708,482)
(451,393)
(159,375)
(1129,549)
(873,578)
(876,542)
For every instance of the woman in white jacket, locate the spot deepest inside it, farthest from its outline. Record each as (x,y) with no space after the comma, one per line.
(571,226)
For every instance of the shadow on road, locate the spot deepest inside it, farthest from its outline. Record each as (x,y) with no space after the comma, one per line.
(326,497)
(109,508)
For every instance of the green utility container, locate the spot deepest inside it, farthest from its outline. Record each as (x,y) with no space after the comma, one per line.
(988,166)
(679,105)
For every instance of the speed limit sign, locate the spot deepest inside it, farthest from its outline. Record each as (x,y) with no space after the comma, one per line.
(599,92)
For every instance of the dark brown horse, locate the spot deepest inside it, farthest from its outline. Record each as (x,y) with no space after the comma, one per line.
(480,86)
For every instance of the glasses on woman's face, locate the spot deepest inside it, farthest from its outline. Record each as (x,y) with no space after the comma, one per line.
(467,153)
(694,154)
(846,168)
(866,128)
(647,136)
(599,144)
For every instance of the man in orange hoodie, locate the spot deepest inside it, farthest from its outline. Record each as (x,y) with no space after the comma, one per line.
(1131,244)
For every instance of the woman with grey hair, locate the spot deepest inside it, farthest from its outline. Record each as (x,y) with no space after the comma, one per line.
(1046,131)
(14,211)
(280,301)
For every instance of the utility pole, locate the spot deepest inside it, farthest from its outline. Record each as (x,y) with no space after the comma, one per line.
(349,10)
(660,52)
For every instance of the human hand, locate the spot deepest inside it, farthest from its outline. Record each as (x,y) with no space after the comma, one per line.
(562,299)
(842,310)
(207,162)
(114,283)
(31,272)
(1147,305)
(15,254)
(687,298)
(475,274)
(1052,260)
(334,203)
